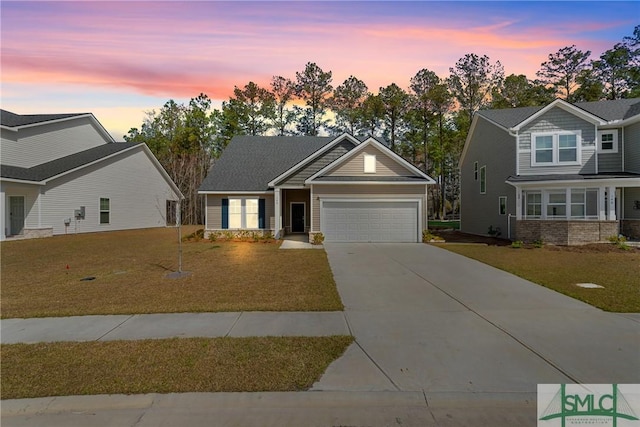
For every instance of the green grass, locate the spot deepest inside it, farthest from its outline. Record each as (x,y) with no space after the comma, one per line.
(433,225)
(561,268)
(166,366)
(42,277)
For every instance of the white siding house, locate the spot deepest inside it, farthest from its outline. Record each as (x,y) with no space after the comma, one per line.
(63,174)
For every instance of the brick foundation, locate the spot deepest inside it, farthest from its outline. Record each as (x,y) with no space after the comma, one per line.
(565,232)
(631,228)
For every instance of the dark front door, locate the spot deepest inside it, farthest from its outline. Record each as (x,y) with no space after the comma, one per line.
(297,217)
(16,212)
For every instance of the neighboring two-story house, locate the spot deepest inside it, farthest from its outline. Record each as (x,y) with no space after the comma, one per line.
(64,173)
(563,173)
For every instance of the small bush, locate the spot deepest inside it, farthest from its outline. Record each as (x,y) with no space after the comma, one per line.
(214,236)
(538,243)
(227,235)
(196,236)
(428,237)
(318,239)
(517,244)
(620,241)
(494,232)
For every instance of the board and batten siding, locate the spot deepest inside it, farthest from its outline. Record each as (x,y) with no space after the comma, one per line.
(385,166)
(632,148)
(214,209)
(136,189)
(354,192)
(46,142)
(298,177)
(493,148)
(558,120)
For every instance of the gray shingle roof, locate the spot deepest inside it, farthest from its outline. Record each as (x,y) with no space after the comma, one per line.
(618,109)
(9,119)
(250,162)
(52,168)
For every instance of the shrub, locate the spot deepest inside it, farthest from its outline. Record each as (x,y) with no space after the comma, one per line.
(620,241)
(318,239)
(517,244)
(428,237)
(228,235)
(538,243)
(214,236)
(494,232)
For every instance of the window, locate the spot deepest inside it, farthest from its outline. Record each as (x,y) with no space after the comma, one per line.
(172,213)
(557,204)
(243,213)
(475,171)
(369,163)
(105,211)
(251,213)
(555,148)
(608,141)
(483,180)
(534,205)
(584,203)
(502,205)
(235,213)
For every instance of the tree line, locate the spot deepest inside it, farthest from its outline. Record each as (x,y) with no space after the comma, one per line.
(426,123)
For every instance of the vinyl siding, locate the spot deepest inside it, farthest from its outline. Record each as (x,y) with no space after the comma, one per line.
(385,166)
(632,148)
(214,209)
(494,148)
(353,192)
(610,162)
(557,120)
(298,177)
(30,194)
(40,144)
(631,194)
(136,189)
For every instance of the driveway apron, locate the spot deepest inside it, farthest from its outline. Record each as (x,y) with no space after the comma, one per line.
(429,320)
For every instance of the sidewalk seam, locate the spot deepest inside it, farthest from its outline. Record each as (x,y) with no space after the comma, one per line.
(234,324)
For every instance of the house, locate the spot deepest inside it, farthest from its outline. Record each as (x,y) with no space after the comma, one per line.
(64,173)
(347,189)
(562,174)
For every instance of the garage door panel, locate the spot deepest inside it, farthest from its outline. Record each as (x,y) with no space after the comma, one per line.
(370,221)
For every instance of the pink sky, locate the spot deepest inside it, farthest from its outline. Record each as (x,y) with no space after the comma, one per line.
(119,59)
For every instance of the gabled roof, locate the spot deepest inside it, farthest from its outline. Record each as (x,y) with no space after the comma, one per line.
(14,122)
(53,168)
(606,111)
(250,162)
(9,119)
(319,176)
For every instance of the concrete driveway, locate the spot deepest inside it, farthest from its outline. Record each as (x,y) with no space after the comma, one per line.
(429,320)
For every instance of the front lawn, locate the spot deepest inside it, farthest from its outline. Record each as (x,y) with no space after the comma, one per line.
(167,366)
(43,277)
(561,268)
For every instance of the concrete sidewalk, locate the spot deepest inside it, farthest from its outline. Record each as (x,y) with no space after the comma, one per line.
(143,326)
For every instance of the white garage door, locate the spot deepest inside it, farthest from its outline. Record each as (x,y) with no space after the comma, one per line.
(369,221)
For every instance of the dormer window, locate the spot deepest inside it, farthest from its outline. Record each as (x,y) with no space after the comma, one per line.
(369,163)
(549,149)
(608,141)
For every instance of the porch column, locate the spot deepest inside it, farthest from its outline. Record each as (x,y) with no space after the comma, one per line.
(277,211)
(3,213)
(611,203)
(518,203)
(40,191)
(602,209)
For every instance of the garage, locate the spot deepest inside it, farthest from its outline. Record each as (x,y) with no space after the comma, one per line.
(370,221)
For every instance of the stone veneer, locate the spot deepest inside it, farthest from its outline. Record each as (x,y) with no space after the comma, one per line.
(631,228)
(565,232)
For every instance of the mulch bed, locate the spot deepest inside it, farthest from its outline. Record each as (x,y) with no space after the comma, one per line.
(454,236)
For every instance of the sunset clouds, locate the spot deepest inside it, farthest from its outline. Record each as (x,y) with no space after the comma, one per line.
(153,51)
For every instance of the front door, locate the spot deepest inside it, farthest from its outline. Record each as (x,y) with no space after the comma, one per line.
(297,217)
(16,213)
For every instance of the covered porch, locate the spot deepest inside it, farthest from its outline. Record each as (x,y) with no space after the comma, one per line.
(292,211)
(588,209)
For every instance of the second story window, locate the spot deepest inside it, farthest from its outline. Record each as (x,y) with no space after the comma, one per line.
(550,149)
(608,141)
